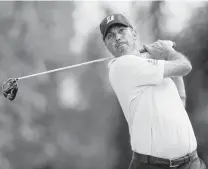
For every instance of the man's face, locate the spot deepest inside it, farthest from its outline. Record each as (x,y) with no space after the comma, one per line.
(120,40)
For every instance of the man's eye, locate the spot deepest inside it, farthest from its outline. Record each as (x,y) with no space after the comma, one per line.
(121,30)
(109,36)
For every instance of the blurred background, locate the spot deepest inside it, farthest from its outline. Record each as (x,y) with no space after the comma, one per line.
(72,119)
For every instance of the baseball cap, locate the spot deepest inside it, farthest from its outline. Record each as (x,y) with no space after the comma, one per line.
(113,19)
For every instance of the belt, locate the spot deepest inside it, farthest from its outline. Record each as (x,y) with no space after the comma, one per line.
(165,162)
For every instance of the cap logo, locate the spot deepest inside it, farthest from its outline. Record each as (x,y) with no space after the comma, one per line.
(110,18)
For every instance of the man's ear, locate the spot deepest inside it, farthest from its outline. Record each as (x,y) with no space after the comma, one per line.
(104,42)
(134,34)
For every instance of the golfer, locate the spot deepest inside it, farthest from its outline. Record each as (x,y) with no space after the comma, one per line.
(150,90)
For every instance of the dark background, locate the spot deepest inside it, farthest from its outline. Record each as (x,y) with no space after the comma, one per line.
(72,119)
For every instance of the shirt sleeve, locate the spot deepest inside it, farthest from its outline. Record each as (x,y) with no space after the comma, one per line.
(136,71)
(150,71)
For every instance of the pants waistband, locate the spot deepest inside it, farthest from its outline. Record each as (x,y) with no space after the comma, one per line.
(165,162)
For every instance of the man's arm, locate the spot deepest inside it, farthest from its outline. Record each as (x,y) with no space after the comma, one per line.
(181,88)
(183,68)
(176,64)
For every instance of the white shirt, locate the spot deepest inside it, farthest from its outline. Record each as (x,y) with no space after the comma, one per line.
(158,122)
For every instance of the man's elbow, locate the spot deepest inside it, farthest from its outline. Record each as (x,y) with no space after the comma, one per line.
(187,68)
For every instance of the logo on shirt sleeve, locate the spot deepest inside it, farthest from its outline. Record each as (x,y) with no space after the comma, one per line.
(153,61)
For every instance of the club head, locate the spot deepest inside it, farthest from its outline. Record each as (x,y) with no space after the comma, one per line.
(10,89)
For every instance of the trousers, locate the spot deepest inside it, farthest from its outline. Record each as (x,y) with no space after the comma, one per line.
(140,161)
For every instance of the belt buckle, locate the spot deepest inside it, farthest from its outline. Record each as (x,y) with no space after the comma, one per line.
(171,164)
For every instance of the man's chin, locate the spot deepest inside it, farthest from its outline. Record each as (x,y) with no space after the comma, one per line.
(122,50)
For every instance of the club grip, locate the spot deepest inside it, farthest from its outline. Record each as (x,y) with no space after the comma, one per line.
(144,50)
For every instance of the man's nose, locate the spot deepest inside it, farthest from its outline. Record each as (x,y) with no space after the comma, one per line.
(118,37)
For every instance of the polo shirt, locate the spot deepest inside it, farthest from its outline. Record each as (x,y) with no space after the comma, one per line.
(158,122)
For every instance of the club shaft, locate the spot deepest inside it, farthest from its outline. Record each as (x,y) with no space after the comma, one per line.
(63,68)
(69,67)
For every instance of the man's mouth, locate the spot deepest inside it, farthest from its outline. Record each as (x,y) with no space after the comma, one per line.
(120,44)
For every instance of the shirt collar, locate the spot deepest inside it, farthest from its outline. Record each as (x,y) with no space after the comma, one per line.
(111,62)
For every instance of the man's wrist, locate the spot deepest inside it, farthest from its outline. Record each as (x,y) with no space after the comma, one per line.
(172,54)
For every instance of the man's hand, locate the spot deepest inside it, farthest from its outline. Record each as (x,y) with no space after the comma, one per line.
(160,50)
